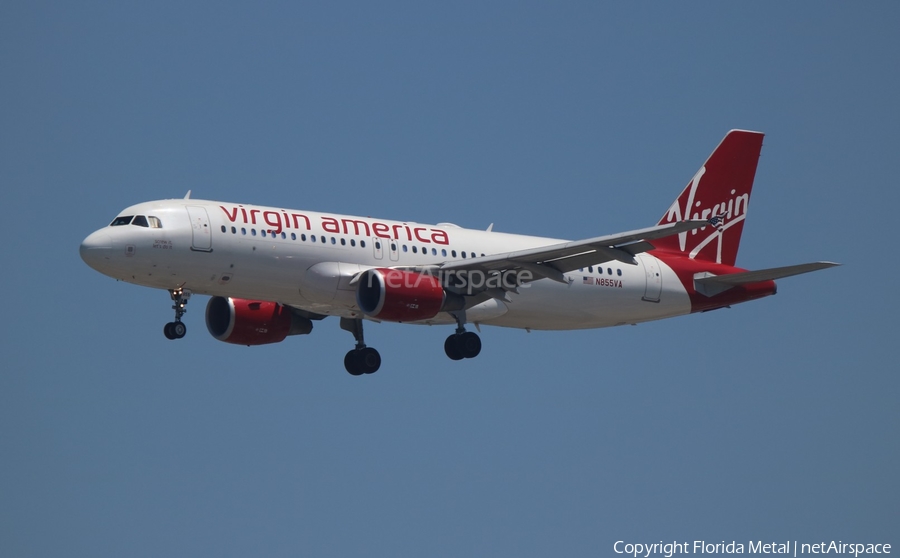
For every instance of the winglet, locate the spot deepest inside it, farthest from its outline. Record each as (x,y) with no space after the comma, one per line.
(188,195)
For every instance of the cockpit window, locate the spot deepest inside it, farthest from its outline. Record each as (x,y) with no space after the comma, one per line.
(155,223)
(119,221)
(140,221)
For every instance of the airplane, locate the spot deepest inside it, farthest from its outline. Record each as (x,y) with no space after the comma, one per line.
(271,272)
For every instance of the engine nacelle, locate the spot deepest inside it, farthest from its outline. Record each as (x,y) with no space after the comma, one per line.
(402,296)
(251,322)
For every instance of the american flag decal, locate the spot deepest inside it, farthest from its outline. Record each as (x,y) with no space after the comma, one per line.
(587,280)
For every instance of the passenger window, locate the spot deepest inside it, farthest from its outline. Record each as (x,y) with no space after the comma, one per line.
(252,232)
(415,250)
(404,248)
(343,242)
(119,221)
(303,237)
(312,238)
(434,251)
(377,245)
(155,223)
(619,272)
(464,255)
(233,230)
(243,230)
(352,242)
(293,236)
(224,229)
(444,252)
(590,269)
(263,233)
(609,270)
(453,253)
(362,243)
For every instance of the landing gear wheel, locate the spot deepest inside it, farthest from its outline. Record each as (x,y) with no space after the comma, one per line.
(470,344)
(462,345)
(369,359)
(179,329)
(175,330)
(351,363)
(452,348)
(362,361)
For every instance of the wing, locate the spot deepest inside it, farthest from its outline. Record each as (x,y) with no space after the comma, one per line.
(551,262)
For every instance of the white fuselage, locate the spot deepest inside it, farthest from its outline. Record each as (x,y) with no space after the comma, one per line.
(306,259)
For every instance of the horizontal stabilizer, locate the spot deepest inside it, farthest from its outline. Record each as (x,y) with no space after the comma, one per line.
(711,285)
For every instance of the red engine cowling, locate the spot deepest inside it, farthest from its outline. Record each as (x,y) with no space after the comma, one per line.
(399,296)
(251,322)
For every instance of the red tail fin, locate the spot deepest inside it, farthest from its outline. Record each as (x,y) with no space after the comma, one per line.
(720,191)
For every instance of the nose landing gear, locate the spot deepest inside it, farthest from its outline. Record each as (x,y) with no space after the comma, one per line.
(177,329)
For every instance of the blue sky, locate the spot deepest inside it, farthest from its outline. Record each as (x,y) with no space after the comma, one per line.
(773,420)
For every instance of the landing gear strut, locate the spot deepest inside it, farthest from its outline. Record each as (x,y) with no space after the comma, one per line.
(462,344)
(362,359)
(177,329)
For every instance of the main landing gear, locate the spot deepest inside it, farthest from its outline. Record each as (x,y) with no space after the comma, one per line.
(362,359)
(177,329)
(462,344)
(366,360)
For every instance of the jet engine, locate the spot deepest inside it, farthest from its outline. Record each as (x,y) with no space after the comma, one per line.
(251,322)
(396,295)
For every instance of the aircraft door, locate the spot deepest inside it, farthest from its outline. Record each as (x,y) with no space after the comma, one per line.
(201,235)
(378,247)
(653,286)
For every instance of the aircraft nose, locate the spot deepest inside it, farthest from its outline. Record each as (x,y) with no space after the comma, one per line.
(96,249)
